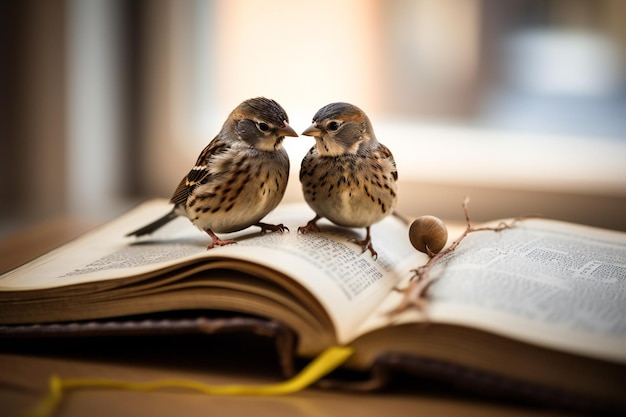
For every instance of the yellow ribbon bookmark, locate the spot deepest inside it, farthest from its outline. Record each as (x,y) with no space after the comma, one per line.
(327,361)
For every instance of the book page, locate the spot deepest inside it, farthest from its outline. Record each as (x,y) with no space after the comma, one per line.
(348,283)
(546,282)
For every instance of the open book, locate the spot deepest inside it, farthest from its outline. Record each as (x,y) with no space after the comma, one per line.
(539,306)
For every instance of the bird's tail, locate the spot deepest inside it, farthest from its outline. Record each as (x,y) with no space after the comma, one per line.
(158,223)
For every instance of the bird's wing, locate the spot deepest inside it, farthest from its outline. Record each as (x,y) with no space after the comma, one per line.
(200,172)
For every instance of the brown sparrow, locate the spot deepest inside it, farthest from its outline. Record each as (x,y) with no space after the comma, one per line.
(348,176)
(239,177)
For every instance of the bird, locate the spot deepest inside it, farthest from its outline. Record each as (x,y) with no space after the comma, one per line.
(238,178)
(348,176)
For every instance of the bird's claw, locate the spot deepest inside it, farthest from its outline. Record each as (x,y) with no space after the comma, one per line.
(366,245)
(310,227)
(220,242)
(265,227)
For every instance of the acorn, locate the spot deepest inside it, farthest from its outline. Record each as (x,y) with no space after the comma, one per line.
(428,234)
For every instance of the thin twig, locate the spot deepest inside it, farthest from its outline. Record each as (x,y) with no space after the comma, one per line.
(414,294)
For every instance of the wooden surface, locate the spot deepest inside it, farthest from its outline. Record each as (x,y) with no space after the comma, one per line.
(26,366)
(29,243)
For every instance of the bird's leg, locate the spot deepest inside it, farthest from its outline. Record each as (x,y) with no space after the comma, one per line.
(217,241)
(311,226)
(366,244)
(265,227)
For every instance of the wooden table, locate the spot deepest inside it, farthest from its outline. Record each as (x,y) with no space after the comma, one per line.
(26,366)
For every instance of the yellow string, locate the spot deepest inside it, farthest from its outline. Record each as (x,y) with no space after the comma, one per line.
(327,361)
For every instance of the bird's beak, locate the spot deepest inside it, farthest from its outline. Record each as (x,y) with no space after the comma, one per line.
(312,130)
(287,130)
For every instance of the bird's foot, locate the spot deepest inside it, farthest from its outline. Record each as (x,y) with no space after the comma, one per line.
(366,244)
(216,241)
(220,242)
(265,227)
(310,227)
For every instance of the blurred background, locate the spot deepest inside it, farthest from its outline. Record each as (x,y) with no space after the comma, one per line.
(519,104)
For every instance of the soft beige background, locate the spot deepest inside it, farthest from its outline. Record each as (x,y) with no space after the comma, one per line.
(518,104)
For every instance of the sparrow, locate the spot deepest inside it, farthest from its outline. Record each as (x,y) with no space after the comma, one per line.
(347,177)
(239,177)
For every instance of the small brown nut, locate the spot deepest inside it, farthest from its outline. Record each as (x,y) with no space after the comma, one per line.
(428,233)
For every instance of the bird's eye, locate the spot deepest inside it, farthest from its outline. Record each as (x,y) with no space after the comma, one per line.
(332,126)
(263,127)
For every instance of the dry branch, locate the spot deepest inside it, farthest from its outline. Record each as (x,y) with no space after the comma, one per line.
(415,293)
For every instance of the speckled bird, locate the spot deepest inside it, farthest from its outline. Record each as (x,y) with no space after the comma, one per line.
(348,176)
(239,177)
